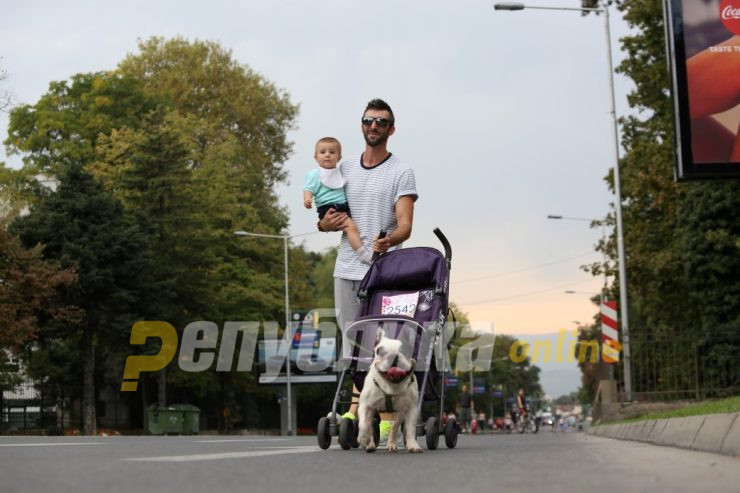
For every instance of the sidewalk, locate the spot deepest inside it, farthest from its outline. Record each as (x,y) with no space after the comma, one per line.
(719,433)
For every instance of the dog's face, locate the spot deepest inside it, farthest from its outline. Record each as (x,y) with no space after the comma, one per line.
(392,358)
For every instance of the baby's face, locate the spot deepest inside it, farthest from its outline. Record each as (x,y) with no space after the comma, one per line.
(327,155)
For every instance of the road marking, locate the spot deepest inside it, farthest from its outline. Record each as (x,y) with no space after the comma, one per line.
(47,444)
(243,440)
(224,455)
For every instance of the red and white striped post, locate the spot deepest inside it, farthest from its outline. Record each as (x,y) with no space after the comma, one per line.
(609,332)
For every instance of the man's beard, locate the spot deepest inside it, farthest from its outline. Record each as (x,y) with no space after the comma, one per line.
(381,139)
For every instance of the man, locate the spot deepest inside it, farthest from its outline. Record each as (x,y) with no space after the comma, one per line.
(464,402)
(520,411)
(521,402)
(381,191)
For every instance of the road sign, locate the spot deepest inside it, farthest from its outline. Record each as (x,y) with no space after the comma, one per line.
(451,381)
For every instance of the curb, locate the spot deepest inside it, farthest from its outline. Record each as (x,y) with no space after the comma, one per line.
(717,433)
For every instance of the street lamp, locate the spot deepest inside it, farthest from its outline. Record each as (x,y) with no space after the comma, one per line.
(570,291)
(602,8)
(288,328)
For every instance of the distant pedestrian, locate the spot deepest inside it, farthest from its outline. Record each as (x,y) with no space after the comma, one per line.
(464,402)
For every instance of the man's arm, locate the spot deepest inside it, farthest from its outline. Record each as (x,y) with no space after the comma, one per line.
(404,218)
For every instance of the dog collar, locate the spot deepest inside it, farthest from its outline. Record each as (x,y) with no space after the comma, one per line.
(389,397)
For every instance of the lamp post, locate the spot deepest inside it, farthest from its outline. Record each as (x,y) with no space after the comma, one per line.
(288,328)
(600,295)
(602,8)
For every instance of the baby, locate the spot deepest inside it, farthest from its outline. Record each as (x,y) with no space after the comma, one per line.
(326,185)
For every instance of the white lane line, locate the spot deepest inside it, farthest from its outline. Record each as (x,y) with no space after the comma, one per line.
(243,440)
(48,444)
(223,455)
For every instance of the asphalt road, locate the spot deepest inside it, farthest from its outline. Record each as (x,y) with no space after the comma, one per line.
(545,462)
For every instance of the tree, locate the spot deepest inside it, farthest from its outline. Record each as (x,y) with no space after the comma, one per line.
(63,128)
(192,144)
(676,233)
(5,97)
(681,239)
(323,278)
(29,287)
(243,119)
(568,399)
(85,228)
(234,125)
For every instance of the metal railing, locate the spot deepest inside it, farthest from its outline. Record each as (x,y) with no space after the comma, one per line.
(684,366)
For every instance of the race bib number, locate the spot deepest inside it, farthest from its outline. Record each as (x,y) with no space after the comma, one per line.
(401,304)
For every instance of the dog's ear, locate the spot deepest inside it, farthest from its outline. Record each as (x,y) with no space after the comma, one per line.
(379,335)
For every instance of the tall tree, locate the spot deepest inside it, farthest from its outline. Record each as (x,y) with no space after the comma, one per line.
(233,124)
(675,232)
(682,239)
(86,229)
(244,119)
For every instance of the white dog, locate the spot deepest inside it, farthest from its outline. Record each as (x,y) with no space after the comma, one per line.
(390,382)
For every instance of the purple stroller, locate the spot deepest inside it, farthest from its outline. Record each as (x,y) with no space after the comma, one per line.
(406,293)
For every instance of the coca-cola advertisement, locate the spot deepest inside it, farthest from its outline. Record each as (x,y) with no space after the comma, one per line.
(704,54)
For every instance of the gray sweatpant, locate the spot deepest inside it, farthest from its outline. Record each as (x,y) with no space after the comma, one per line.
(346,304)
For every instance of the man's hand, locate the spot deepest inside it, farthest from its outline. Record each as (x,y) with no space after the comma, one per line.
(382,244)
(333,220)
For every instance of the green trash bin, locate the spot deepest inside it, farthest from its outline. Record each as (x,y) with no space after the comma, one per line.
(177,419)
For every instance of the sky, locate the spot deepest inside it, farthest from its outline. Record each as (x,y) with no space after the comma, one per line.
(504,117)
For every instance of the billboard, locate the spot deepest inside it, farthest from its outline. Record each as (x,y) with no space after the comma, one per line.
(703,47)
(311,352)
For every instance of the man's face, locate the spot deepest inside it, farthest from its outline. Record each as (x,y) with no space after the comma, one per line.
(377,132)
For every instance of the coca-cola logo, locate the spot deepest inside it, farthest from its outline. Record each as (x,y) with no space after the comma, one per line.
(729,14)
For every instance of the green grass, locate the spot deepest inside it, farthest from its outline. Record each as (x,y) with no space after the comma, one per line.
(728,405)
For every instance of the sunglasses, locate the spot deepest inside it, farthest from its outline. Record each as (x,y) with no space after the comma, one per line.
(380,121)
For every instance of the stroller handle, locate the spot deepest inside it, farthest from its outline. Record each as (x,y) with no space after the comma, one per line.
(445,243)
(380,235)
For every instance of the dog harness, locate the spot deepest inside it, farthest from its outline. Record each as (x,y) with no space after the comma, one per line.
(389,397)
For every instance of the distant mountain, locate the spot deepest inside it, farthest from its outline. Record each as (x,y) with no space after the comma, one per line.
(556,378)
(560,382)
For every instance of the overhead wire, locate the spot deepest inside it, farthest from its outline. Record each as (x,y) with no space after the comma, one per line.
(524,269)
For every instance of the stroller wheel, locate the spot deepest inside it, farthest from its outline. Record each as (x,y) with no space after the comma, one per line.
(432,433)
(451,433)
(323,433)
(346,433)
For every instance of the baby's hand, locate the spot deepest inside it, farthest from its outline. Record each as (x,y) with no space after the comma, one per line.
(307,203)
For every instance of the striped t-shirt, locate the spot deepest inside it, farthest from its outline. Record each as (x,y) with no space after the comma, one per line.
(372,194)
